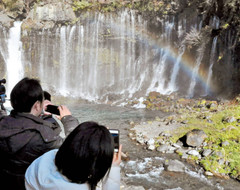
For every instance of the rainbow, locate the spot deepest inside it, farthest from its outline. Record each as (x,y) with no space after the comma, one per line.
(187,62)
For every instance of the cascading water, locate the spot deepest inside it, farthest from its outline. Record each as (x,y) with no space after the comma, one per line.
(212,61)
(108,57)
(195,71)
(13,57)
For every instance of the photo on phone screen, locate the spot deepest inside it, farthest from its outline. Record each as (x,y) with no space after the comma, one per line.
(115,135)
(53,109)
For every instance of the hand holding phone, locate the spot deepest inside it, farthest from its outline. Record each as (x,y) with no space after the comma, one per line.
(53,109)
(115,134)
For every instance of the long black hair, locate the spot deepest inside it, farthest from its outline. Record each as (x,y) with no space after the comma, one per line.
(86,154)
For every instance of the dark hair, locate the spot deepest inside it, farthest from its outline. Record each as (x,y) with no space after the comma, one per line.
(47,96)
(25,93)
(86,154)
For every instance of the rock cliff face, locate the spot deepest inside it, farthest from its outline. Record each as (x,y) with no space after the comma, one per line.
(47,16)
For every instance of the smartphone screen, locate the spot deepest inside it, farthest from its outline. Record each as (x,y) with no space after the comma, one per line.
(53,109)
(115,135)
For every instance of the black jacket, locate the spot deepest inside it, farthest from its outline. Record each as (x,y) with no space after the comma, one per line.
(23,138)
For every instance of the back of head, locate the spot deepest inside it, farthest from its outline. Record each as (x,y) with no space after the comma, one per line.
(86,154)
(25,93)
(47,96)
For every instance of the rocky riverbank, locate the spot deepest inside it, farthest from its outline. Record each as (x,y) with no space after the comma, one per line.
(202,132)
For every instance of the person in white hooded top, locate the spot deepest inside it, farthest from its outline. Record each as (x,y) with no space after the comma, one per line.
(85,161)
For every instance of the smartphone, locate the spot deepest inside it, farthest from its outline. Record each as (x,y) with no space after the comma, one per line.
(115,134)
(53,109)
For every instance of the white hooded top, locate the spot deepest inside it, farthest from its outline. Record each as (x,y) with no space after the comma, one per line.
(42,174)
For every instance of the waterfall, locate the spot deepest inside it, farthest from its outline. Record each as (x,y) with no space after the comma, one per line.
(211,62)
(158,80)
(172,84)
(195,70)
(63,60)
(108,57)
(14,64)
(214,22)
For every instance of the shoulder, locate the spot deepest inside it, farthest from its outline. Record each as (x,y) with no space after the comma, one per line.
(43,174)
(42,164)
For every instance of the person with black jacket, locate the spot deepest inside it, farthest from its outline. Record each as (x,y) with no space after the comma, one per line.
(24,136)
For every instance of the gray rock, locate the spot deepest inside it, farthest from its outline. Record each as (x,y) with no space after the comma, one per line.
(176,145)
(195,137)
(44,16)
(219,154)
(174,166)
(185,156)
(163,148)
(206,152)
(182,151)
(151,147)
(193,152)
(180,143)
(229,119)
(208,173)
(5,20)
(221,161)
(151,141)
(140,140)
(225,143)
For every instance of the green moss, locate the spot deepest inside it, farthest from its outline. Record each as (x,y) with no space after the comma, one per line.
(217,132)
(80,5)
(192,157)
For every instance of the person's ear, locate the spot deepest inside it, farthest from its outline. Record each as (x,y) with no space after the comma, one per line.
(36,108)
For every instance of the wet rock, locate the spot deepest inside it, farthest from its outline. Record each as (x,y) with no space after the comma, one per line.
(195,137)
(174,166)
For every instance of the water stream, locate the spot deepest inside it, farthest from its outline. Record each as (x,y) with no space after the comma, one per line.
(145,168)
